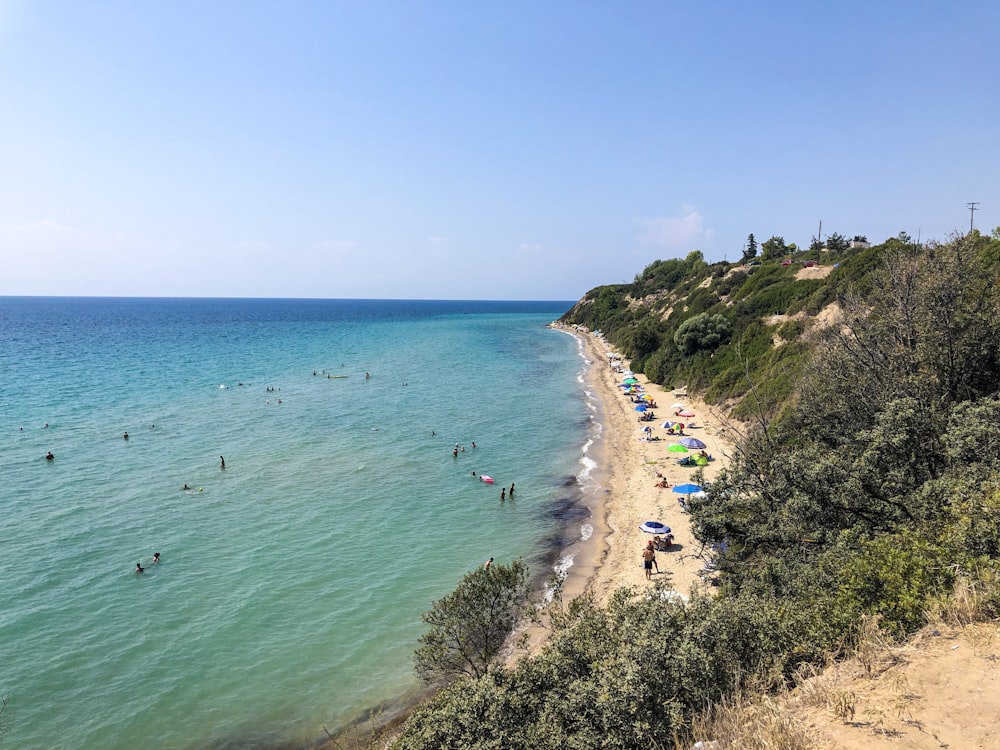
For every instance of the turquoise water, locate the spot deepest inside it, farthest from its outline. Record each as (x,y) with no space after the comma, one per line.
(291,583)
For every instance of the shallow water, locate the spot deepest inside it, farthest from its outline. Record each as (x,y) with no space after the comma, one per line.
(292,582)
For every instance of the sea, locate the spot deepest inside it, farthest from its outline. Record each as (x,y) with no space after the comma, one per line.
(288,597)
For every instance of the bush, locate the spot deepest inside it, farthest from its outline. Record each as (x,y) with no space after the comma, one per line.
(702,332)
(469,626)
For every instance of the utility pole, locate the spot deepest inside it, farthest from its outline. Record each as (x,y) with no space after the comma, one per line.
(972,213)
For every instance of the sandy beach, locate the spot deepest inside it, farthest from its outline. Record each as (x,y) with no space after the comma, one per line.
(631,495)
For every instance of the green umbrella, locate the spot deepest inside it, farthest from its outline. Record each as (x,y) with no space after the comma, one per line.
(677,448)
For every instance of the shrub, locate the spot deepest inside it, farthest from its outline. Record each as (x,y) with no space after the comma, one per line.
(702,331)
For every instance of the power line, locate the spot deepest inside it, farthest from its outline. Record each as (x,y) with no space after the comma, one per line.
(972,205)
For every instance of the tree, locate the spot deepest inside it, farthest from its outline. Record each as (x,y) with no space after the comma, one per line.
(469,626)
(702,331)
(774,248)
(837,243)
(750,251)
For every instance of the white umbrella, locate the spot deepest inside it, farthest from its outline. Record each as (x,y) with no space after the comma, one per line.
(654,527)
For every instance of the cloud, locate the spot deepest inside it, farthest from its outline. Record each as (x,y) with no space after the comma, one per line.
(685,232)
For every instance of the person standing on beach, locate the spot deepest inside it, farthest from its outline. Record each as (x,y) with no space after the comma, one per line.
(648,558)
(651,546)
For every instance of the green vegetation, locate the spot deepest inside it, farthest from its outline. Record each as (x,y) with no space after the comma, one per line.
(469,626)
(865,488)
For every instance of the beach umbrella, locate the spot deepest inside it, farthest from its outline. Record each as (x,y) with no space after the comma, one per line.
(686,414)
(691,442)
(641,407)
(686,489)
(677,448)
(654,527)
(667,425)
(677,406)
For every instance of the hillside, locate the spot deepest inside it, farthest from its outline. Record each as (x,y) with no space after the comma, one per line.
(863,493)
(725,327)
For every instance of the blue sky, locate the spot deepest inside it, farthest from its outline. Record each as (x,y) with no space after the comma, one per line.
(474,150)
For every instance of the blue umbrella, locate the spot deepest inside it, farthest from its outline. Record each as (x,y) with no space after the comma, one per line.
(692,442)
(654,527)
(686,489)
(641,407)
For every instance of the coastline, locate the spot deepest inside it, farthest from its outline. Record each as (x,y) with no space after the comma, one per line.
(628,495)
(618,485)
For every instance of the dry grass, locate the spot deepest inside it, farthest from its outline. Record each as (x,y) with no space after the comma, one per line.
(749,723)
(873,649)
(970,601)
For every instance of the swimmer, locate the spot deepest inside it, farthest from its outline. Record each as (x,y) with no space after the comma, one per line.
(510,492)
(156,557)
(46,424)
(503,494)
(473,473)
(185,487)
(139,568)
(49,456)
(125,436)
(487,564)
(367,376)
(473,443)
(222,462)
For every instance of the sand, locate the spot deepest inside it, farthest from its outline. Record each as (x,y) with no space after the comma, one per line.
(628,469)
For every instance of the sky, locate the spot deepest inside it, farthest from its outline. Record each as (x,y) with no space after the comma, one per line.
(474,150)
